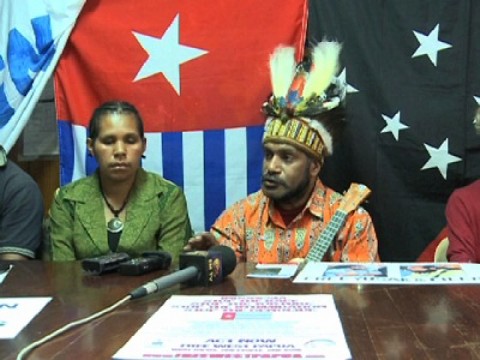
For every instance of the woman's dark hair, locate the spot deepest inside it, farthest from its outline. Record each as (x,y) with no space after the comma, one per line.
(112,107)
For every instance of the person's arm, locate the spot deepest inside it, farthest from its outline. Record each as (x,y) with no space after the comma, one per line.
(203,241)
(21,221)
(225,231)
(229,230)
(61,230)
(359,239)
(13,256)
(176,228)
(461,238)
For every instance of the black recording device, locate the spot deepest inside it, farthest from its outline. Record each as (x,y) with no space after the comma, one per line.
(149,261)
(103,264)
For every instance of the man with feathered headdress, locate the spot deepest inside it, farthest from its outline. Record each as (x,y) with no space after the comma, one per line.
(291,216)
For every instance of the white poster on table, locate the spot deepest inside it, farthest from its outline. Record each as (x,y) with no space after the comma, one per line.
(16,313)
(241,327)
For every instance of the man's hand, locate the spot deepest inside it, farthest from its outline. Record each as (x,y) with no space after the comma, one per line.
(297,261)
(202,241)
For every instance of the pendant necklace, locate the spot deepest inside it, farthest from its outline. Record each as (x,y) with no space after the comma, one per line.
(115,225)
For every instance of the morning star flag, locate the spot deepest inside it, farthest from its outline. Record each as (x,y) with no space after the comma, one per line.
(32,36)
(197,70)
(413,74)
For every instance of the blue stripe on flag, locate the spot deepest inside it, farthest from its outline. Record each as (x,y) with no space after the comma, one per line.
(91,163)
(173,157)
(65,139)
(214,167)
(254,158)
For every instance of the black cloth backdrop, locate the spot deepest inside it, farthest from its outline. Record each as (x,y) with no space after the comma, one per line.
(436,103)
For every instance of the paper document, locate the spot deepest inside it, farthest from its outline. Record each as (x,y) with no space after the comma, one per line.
(389,273)
(16,313)
(273,271)
(241,327)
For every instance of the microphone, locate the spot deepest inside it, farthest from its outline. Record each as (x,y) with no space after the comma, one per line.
(196,268)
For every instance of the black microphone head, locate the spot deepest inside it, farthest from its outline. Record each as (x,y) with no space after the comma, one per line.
(229,260)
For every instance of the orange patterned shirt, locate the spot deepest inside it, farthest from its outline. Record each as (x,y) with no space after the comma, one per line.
(257,233)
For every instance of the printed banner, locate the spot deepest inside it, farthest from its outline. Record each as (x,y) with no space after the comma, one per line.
(389,273)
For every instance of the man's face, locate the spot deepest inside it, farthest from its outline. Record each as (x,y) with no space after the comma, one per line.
(288,175)
(118,147)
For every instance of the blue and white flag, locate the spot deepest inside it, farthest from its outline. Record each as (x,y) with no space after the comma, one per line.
(33,34)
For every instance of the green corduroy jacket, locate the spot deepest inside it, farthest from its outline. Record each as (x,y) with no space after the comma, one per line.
(156,219)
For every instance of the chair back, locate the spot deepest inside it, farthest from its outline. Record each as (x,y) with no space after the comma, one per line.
(440,254)
(429,254)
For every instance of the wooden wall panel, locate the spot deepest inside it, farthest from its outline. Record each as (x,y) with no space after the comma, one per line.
(46,172)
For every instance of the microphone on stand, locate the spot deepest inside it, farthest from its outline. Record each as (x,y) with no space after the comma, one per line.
(196,268)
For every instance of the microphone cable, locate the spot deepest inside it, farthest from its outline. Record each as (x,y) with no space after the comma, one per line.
(151,287)
(228,265)
(21,355)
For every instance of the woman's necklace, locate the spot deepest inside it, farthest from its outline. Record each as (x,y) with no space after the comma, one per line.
(115,225)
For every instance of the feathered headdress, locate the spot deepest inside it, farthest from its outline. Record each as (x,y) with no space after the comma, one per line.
(303,92)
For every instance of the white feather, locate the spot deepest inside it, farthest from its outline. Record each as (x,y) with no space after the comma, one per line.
(282,69)
(325,66)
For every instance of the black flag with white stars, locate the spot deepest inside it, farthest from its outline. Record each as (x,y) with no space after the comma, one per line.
(413,74)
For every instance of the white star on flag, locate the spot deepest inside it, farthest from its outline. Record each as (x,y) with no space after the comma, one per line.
(394,125)
(477,99)
(440,158)
(343,78)
(165,54)
(430,45)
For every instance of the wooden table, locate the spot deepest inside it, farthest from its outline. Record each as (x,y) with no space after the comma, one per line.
(380,322)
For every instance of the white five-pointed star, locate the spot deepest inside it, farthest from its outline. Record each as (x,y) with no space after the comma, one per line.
(430,45)
(393,125)
(477,99)
(343,77)
(440,158)
(165,54)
